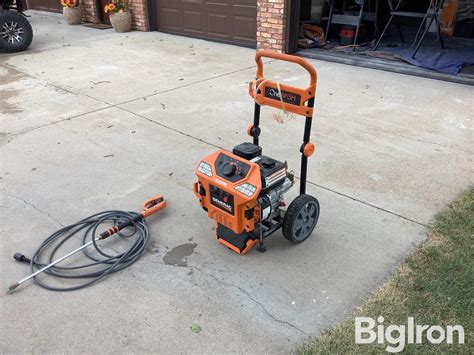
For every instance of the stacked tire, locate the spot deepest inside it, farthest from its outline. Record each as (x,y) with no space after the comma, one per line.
(16,33)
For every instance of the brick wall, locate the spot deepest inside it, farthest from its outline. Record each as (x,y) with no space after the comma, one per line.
(271,22)
(89,9)
(138,9)
(139,12)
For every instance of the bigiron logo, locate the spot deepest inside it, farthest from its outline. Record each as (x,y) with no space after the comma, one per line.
(397,336)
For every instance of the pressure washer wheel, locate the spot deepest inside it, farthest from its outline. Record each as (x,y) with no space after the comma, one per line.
(300,218)
(16,33)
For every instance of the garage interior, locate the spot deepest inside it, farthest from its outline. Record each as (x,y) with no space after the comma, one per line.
(412,24)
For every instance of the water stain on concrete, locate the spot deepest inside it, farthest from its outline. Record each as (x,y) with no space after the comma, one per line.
(178,255)
(3,138)
(10,75)
(7,107)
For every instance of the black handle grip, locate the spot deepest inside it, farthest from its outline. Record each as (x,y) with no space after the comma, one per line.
(119,227)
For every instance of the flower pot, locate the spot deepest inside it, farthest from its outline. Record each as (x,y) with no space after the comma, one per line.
(121,21)
(73,15)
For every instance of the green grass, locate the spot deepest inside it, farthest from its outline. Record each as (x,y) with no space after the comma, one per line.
(435,285)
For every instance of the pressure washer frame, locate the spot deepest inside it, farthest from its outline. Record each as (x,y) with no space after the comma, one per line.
(241,231)
(295,102)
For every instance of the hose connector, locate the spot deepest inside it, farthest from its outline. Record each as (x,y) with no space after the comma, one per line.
(20,257)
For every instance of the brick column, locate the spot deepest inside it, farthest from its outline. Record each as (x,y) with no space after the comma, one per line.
(138,9)
(89,8)
(271,24)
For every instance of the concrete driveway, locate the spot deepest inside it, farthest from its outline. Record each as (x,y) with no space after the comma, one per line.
(94,120)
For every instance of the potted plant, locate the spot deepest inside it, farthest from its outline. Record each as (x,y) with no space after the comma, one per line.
(120,16)
(72,10)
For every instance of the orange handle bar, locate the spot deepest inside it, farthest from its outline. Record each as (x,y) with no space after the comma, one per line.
(153,205)
(287,58)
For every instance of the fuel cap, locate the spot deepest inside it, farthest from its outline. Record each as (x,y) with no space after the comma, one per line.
(268,163)
(229,169)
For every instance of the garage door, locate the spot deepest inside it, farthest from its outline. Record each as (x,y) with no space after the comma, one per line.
(232,21)
(45,5)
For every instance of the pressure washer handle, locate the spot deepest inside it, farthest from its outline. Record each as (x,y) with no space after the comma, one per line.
(153,205)
(150,207)
(287,58)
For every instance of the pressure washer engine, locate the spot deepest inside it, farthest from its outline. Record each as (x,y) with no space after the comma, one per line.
(243,190)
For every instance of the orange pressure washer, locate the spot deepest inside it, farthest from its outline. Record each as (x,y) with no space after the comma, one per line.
(243,191)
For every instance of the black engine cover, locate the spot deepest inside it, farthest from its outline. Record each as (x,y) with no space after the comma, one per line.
(272,171)
(247,150)
(269,166)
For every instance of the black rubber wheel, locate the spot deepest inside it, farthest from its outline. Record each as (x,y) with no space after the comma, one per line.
(300,218)
(16,33)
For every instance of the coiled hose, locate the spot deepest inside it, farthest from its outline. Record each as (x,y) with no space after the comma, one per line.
(108,264)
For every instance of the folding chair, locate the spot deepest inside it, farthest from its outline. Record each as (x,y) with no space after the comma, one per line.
(436,6)
(431,12)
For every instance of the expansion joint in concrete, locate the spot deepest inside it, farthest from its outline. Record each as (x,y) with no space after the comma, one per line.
(368,204)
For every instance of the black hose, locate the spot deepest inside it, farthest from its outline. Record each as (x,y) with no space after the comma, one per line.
(108,263)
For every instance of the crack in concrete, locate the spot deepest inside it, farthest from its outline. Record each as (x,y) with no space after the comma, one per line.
(262,307)
(189,84)
(171,128)
(242,290)
(35,207)
(110,105)
(56,122)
